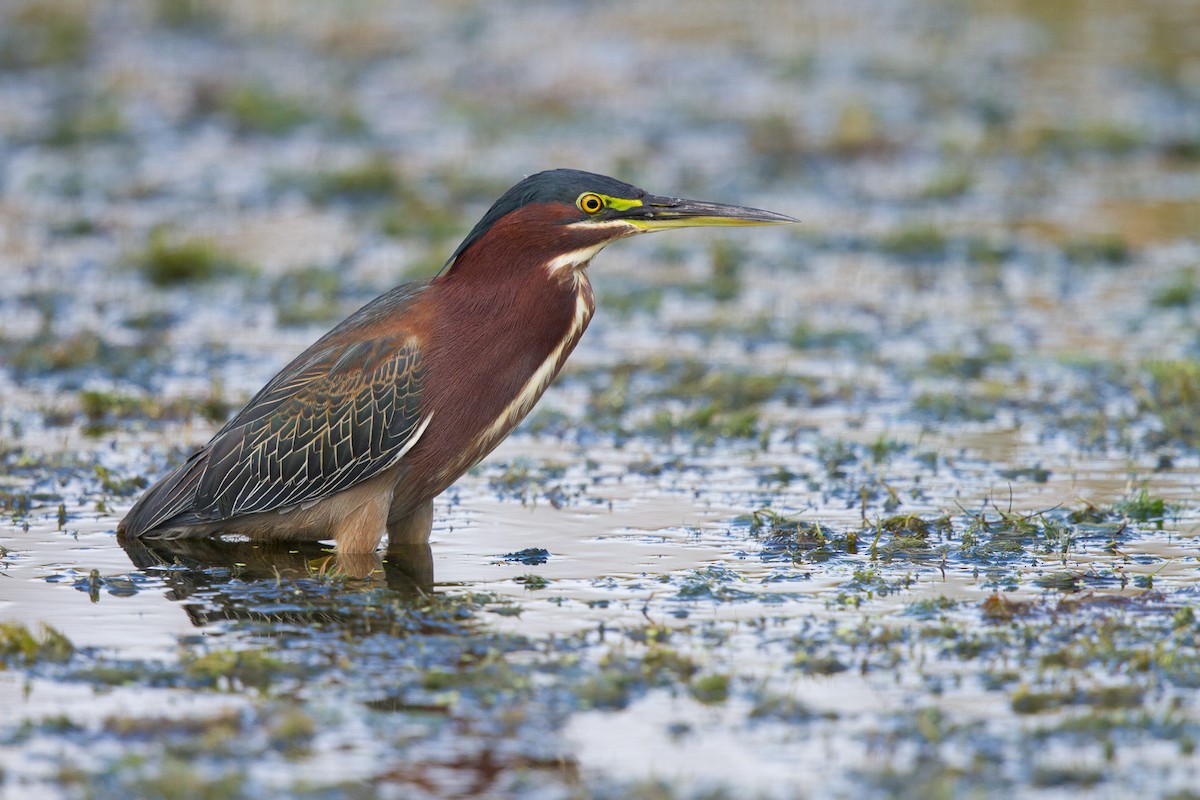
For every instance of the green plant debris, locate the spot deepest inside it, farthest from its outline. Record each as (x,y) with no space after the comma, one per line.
(1143,507)
(953,407)
(308,296)
(372,180)
(165,263)
(187,15)
(1181,292)
(948,184)
(867,583)
(412,214)
(1026,701)
(727,262)
(629,300)
(793,540)
(887,504)
(103,411)
(1110,250)
(532,581)
(232,669)
(858,131)
(714,582)
(529,482)
(20,647)
(176,779)
(771,706)
(46,353)
(969,367)
(46,34)
(1101,136)
(818,664)
(776,144)
(805,336)
(931,608)
(918,242)
(710,689)
(884,448)
(257,109)
(909,535)
(724,389)
(1172,396)
(98,119)
(116,485)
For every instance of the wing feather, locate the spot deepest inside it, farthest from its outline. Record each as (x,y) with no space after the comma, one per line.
(337,423)
(343,411)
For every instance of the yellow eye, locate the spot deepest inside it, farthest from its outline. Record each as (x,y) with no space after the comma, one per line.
(590,203)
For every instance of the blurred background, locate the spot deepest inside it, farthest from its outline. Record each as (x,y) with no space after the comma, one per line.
(979,351)
(291,160)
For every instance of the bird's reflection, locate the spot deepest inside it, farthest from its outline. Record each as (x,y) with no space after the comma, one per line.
(216,579)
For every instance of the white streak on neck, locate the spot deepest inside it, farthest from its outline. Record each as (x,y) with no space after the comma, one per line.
(574,260)
(515,411)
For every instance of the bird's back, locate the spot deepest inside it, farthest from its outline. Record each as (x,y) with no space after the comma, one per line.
(185,501)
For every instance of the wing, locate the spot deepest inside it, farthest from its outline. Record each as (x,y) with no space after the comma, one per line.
(344,410)
(342,416)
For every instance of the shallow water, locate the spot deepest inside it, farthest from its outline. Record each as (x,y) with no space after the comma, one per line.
(901,502)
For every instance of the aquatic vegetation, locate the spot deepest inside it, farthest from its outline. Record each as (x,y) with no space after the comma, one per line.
(727,261)
(805,337)
(716,583)
(1102,137)
(953,407)
(1143,507)
(1181,292)
(411,214)
(792,540)
(187,15)
(97,119)
(858,131)
(1111,250)
(900,481)
(234,669)
(948,184)
(166,262)
(102,411)
(257,109)
(778,147)
(530,482)
(710,689)
(917,242)
(45,34)
(1173,396)
(969,366)
(530,556)
(372,180)
(21,647)
(307,296)
(885,448)
(533,582)
(625,301)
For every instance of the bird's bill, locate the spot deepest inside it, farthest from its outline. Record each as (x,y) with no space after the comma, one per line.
(661,213)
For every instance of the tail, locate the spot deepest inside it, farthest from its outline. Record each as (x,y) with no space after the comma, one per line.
(173,495)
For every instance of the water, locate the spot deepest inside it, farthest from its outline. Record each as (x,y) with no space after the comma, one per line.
(897,502)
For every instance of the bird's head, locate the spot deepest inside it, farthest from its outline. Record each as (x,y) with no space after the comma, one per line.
(563,217)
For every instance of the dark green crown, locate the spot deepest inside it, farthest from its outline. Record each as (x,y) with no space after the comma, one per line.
(551,186)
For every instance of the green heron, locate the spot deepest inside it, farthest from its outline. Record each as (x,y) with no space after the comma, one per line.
(358,434)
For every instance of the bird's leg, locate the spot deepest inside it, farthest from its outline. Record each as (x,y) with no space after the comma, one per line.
(362,528)
(412,528)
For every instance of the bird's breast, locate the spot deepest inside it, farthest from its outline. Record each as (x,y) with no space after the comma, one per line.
(537,383)
(487,377)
